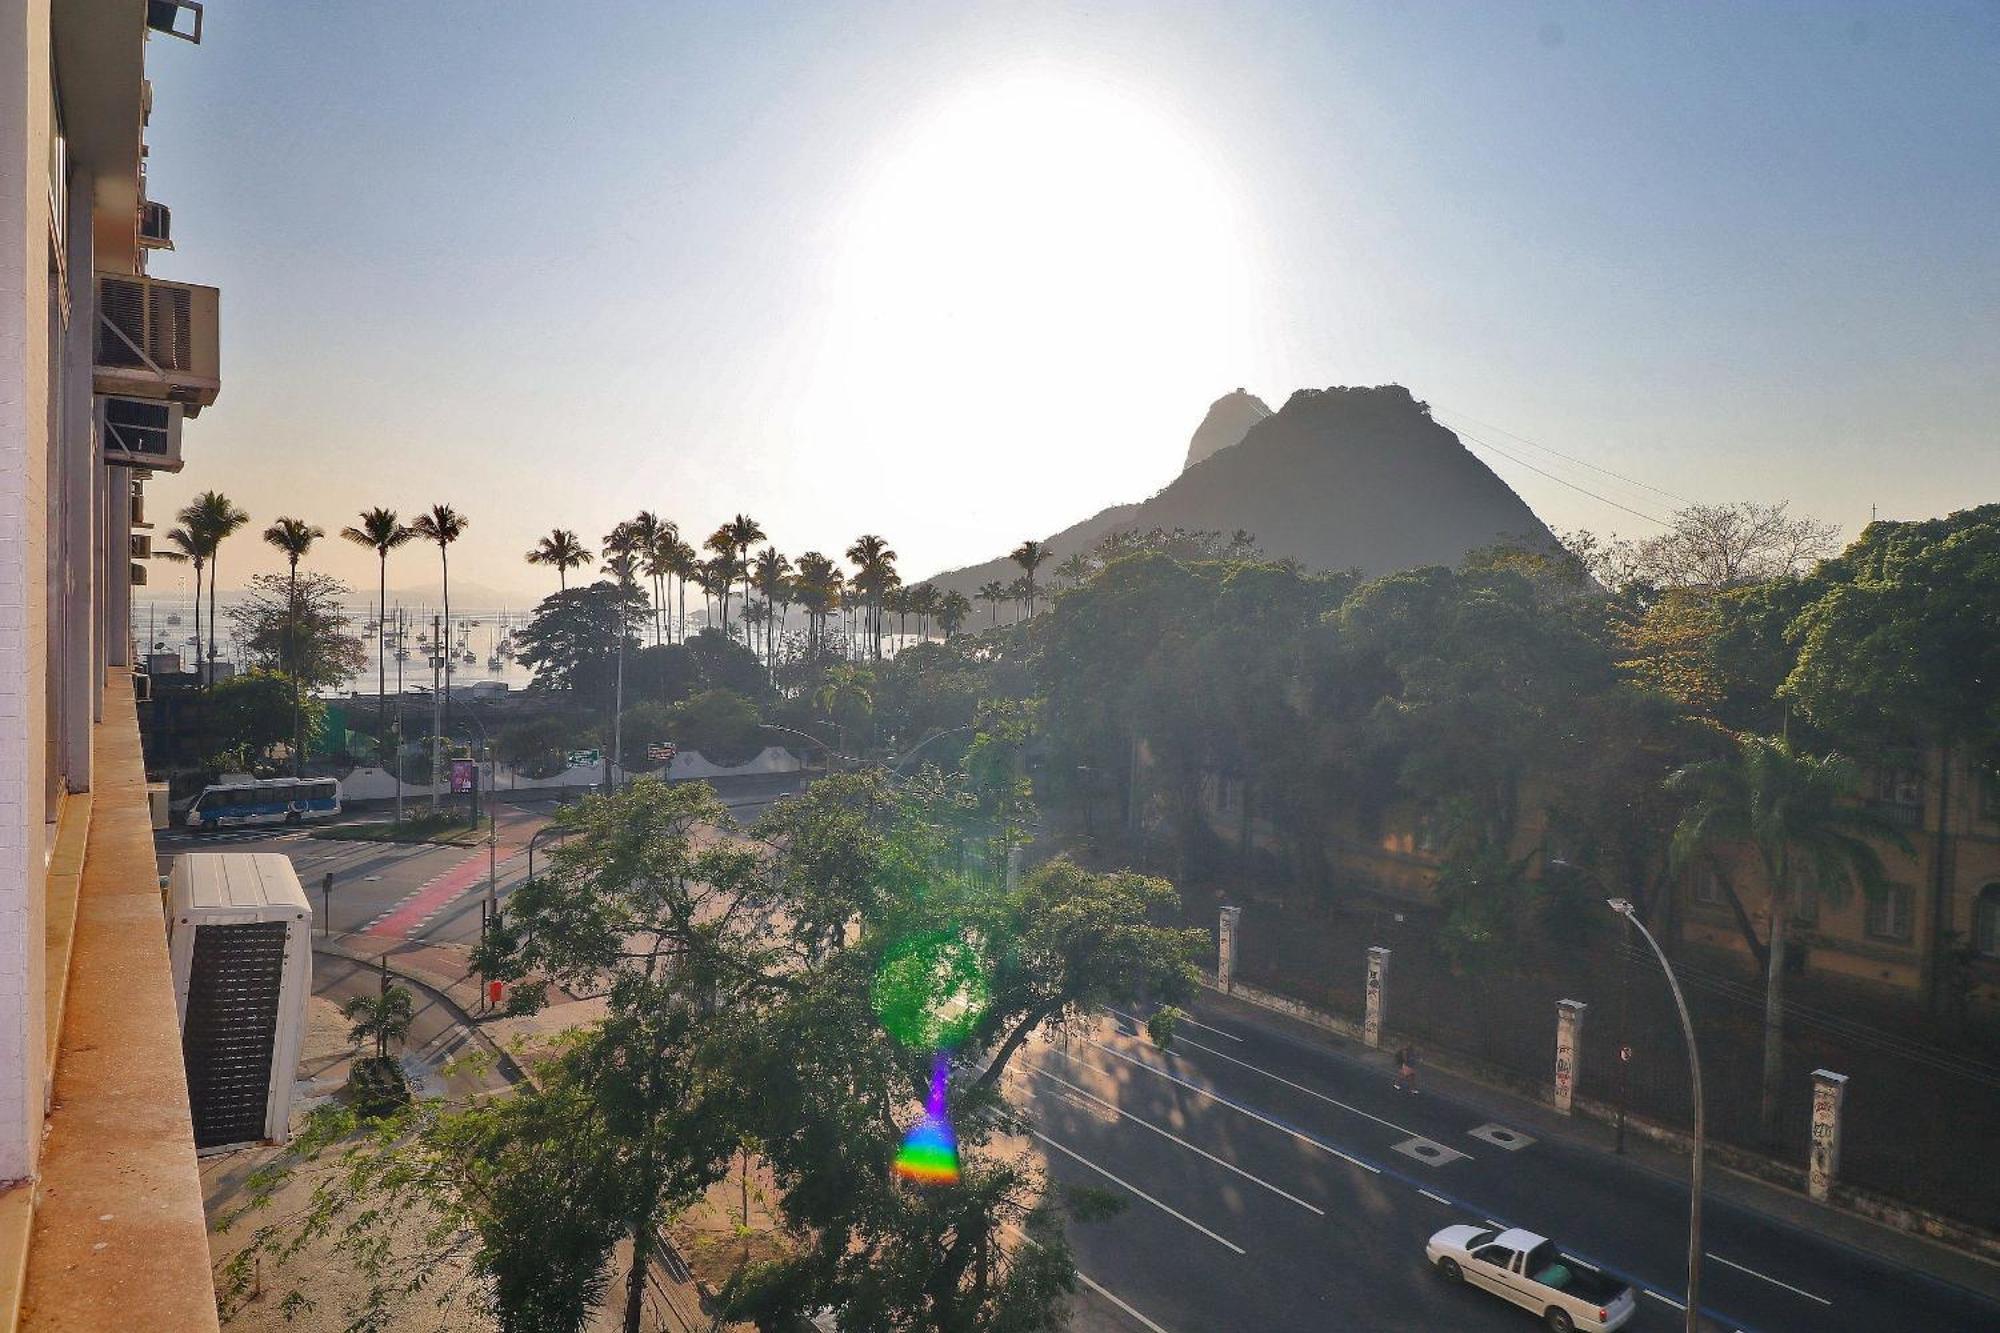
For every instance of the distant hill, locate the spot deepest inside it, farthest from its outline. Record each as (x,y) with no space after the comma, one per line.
(1338,478)
(1229,419)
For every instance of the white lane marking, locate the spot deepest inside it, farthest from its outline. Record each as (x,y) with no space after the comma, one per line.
(1497,1226)
(1796,1291)
(1331,1101)
(1215,1097)
(1182,1020)
(1437,1198)
(1120,1180)
(1664,1300)
(1175,1138)
(1090,1282)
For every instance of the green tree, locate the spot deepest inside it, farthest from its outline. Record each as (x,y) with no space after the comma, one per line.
(384,1018)
(1030,556)
(211,518)
(250,713)
(874,575)
(381,532)
(300,627)
(536,747)
(442,525)
(952,610)
(845,697)
(1793,813)
(181,547)
(562,552)
(994,594)
(721,724)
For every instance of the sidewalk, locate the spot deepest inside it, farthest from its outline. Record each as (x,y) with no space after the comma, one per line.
(1786,1207)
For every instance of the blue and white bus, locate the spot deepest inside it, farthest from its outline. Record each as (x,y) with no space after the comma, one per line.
(272,801)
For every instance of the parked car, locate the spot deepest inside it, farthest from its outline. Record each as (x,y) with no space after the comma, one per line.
(1531,1272)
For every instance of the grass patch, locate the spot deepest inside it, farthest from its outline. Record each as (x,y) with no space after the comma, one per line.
(442,828)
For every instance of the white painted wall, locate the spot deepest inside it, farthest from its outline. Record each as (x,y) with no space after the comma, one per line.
(24,423)
(377,784)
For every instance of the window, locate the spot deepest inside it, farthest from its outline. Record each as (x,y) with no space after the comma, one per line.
(1706,886)
(1986,922)
(1889,913)
(1497,1255)
(1425,837)
(1899,786)
(1989,794)
(1805,899)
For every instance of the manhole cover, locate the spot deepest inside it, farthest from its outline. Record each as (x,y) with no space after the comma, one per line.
(1428,1152)
(1513,1140)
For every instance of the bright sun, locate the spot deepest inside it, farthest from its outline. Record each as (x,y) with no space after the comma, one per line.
(1035,252)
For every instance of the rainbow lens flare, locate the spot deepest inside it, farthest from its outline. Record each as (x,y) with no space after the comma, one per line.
(929,1155)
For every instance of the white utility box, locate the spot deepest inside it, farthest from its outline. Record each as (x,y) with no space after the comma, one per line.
(239,931)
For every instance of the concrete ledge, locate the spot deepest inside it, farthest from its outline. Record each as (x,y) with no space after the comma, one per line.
(119,1238)
(65,882)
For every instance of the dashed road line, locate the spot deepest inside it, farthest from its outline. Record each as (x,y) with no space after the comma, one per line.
(1088,1281)
(1300,1087)
(1175,1138)
(1797,1291)
(1436,1198)
(1237,1107)
(1664,1300)
(1120,1180)
(1182,1021)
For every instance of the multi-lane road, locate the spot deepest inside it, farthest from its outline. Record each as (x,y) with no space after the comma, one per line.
(1273,1182)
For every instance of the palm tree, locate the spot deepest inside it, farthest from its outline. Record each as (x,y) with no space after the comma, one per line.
(874,574)
(952,610)
(1030,557)
(844,694)
(1793,812)
(656,544)
(621,562)
(817,586)
(211,518)
(562,551)
(745,532)
(1076,568)
(683,562)
(188,550)
(993,594)
(1022,593)
(770,574)
(295,537)
(384,1019)
(924,601)
(722,568)
(444,525)
(380,531)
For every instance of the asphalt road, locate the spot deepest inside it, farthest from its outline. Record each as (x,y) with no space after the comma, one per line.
(1276,1184)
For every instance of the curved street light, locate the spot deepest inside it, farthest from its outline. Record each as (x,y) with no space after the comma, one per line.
(1624,908)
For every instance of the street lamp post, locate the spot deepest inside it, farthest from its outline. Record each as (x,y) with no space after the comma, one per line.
(1624,908)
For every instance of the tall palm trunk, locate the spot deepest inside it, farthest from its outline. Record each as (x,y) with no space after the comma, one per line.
(444,725)
(292,653)
(382,657)
(214,577)
(1774,1020)
(199,678)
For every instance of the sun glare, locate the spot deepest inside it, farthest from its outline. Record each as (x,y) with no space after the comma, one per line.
(1032,256)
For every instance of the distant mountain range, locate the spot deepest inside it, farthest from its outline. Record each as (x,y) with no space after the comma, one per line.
(1339,478)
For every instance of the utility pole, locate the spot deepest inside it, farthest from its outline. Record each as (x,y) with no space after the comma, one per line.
(437,707)
(326,905)
(396,759)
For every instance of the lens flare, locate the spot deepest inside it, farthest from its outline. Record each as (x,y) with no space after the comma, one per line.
(929,1155)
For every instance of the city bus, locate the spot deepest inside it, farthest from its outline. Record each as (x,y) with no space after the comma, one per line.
(269,801)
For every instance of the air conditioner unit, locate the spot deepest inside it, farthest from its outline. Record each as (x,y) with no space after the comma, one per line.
(166,16)
(156,226)
(139,432)
(142,545)
(138,576)
(139,506)
(157,339)
(239,933)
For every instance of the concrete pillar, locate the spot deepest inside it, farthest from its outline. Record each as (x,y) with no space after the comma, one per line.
(78,678)
(118,561)
(1225,950)
(1823,1157)
(1569,1049)
(1377,1013)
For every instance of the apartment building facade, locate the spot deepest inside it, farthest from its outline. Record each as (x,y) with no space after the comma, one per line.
(100,363)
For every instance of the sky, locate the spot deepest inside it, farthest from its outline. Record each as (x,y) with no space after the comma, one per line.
(963,274)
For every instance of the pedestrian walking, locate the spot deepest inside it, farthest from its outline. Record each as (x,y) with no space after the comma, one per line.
(1406,1070)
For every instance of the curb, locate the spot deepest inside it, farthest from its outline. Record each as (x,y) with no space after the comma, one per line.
(436,987)
(1864,1205)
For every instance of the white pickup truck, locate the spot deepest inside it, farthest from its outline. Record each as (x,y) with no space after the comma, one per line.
(1528,1270)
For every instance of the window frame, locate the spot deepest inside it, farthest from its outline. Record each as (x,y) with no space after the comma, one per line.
(1881,923)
